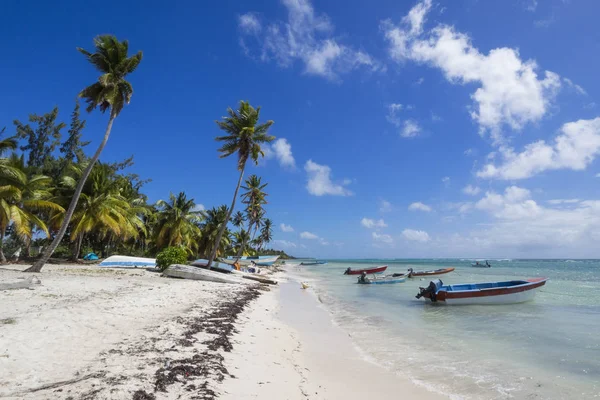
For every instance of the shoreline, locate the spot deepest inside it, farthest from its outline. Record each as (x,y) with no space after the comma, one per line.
(100,333)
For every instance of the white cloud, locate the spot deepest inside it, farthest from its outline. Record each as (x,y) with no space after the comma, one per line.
(382,237)
(308,235)
(286,228)
(282,151)
(285,244)
(199,207)
(469,152)
(418,206)
(574,148)
(346,182)
(531,5)
(515,203)
(446,181)
(306,36)
(563,201)
(471,190)
(416,236)
(249,23)
(420,81)
(392,115)
(509,91)
(410,129)
(386,206)
(373,224)
(323,242)
(319,181)
(575,86)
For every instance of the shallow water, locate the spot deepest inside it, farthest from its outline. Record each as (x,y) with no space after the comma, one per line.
(548,348)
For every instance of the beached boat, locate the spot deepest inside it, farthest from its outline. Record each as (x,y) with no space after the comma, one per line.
(313,263)
(509,292)
(378,280)
(412,274)
(128,262)
(374,270)
(200,274)
(217,266)
(254,277)
(263,261)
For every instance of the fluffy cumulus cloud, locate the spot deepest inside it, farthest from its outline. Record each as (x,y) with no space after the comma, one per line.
(576,146)
(320,183)
(373,224)
(471,190)
(418,206)
(415,235)
(280,150)
(286,228)
(408,128)
(308,235)
(510,91)
(382,238)
(305,36)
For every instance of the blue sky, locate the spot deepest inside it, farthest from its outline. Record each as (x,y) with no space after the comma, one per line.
(406,129)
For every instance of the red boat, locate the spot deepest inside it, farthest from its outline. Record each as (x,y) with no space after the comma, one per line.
(375,270)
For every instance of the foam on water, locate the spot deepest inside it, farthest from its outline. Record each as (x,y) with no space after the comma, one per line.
(546,349)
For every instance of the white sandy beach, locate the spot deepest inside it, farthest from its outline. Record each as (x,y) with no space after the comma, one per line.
(93,333)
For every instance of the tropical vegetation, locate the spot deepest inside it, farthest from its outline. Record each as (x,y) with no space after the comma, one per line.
(56,200)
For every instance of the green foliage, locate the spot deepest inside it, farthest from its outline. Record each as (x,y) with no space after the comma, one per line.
(42,140)
(170,256)
(112,90)
(62,251)
(72,148)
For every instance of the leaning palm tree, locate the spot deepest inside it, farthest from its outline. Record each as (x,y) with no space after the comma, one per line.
(111,92)
(244,138)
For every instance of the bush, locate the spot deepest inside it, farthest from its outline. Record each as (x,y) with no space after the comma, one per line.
(169,256)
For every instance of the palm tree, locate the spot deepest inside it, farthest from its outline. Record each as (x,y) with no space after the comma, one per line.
(244,138)
(239,240)
(22,197)
(9,143)
(102,209)
(111,92)
(238,219)
(177,223)
(216,217)
(266,233)
(254,198)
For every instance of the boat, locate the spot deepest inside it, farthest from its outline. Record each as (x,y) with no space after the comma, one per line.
(508,292)
(313,263)
(412,274)
(217,266)
(263,261)
(365,280)
(477,264)
(200,274)
(374,270)
(128,262)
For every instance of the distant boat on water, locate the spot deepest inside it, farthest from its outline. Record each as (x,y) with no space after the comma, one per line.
(379,280)
(374,270)
(508,292)
(477,264)
(313,263)
(412,274)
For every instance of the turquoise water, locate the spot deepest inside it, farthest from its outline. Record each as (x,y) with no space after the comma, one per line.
(548,348)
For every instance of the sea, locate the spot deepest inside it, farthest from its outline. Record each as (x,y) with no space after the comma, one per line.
(548,348)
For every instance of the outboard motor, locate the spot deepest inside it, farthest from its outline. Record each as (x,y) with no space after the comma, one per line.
(431,290)
(347,271)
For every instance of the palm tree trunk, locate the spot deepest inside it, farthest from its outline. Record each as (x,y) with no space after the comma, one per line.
(37,266)
(76,249)
(2,256)
(224,225)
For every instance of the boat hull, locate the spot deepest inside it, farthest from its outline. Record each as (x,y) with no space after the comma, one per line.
(200,274)
(263,261)
(426,273)
(128,262)
(381,281)
(366,271)
(511,292)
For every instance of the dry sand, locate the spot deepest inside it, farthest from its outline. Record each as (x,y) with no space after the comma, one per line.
(95,333)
